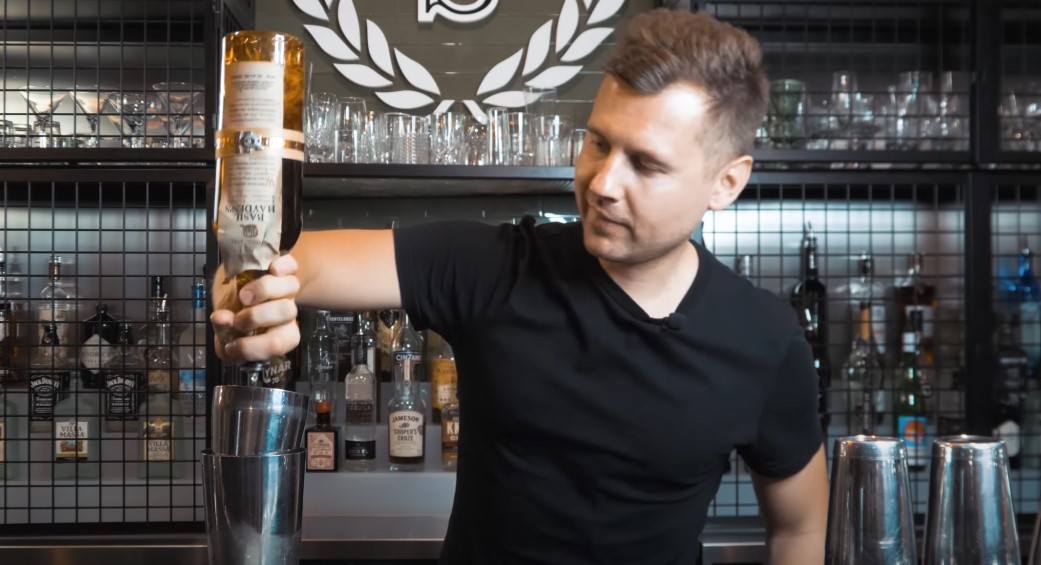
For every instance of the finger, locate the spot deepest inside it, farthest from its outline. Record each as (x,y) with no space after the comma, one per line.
(282,266)
(223,330)
(265,315)
(269,288)
(275,341)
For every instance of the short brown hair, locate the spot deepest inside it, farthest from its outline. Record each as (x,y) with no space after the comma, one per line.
(663,47)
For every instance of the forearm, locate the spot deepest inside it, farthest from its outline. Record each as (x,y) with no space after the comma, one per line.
(795,548)
(347,270)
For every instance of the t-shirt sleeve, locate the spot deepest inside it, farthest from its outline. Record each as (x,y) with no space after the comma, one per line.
(789,432)
(451,273)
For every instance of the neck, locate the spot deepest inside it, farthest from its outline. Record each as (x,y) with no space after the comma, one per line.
(657,286)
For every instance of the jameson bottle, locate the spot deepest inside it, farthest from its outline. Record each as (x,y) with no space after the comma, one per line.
(260,153)
(406,422)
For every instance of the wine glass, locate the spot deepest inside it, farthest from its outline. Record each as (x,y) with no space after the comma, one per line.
(182,100)
(43,102)
(131,108)
(89,102)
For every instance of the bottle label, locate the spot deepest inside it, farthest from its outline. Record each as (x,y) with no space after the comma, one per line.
(913,430)
(253,94)
(160,380)
(360,412)
(70,442)
(878,327)
(193,391)
(158,432)
(321,451)
(60,316)
(277,373)
(928,318)
(249,216)
(122,391)
(406,434)
(360,450)
(450,431)
(445,379)
(46,389)
(408,363)
(1008,431)
(95,353)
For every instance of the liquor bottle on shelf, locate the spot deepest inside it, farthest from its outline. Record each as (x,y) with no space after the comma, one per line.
(1029,299)
(259,146)
(1009,390)
(863,372)
(443,374)
(77,434)
(341,326)
(910,412)
(866,289)
(914,294)
(365,333)
(100,332)
(407,410)
(161,430)
(157,298)
(388,325)
(12,443)
(12,330)
(322,352)
(8,344)
(58,304)
(450,434)
(123,375)
(321,440)
(191,359)
(50,374)
(359,444)
(810,300)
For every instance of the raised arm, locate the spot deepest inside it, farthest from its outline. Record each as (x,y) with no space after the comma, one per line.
(335,269)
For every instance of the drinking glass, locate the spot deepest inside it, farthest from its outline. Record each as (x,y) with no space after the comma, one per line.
(520,135)
(786,118)
(553,141)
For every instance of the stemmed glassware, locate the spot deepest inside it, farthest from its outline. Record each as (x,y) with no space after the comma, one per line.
(131,108)
(182,100)
(43,101)
(90,102)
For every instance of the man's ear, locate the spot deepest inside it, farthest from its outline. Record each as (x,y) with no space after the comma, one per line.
(730,181)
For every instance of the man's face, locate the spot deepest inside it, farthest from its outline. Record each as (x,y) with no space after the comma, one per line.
(642,180)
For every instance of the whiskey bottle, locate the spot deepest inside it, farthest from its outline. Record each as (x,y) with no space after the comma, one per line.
(124,382)
(321,440)
(450,434)
(406,420)
(810,301)
(259,151)
(866,289)
(388,326)
(909,408)
(443,374)
(50,374)
(58,304)
(77,434)
(161,429)
(12,443)
(863,372)
(1009,390)
(913,294)
(360,384)
(100,332)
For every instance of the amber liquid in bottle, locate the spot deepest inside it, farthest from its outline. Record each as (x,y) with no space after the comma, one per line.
(260,151)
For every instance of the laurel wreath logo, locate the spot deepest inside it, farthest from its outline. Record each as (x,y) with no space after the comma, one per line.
(346,47)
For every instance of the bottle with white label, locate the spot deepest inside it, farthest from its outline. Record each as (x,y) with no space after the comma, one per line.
(77,434)
(161,430)
(58,304)
(259,146)
(50,373)
(124,381)
(360,431)
(406,412)
(99,333)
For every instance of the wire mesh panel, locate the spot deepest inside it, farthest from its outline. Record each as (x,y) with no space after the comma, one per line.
(765,233)
(1016,217)
(101,412)
(103,73)
(851,75)
(1020,105)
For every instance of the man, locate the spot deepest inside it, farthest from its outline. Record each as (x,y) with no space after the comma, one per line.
(607,368)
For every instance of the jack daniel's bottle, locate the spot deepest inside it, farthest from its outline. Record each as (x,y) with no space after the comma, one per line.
(260,153)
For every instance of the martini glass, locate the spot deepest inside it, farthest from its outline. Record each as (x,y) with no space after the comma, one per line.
(131,108)
(90,101)
(43,101)
(180,99)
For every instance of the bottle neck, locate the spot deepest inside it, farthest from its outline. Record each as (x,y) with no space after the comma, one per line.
(864,332)
(323,419)
(809,261)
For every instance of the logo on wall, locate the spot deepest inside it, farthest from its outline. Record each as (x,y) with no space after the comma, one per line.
(403,83)
(462,13)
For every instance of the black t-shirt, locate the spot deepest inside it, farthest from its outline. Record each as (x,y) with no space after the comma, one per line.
(591,432)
